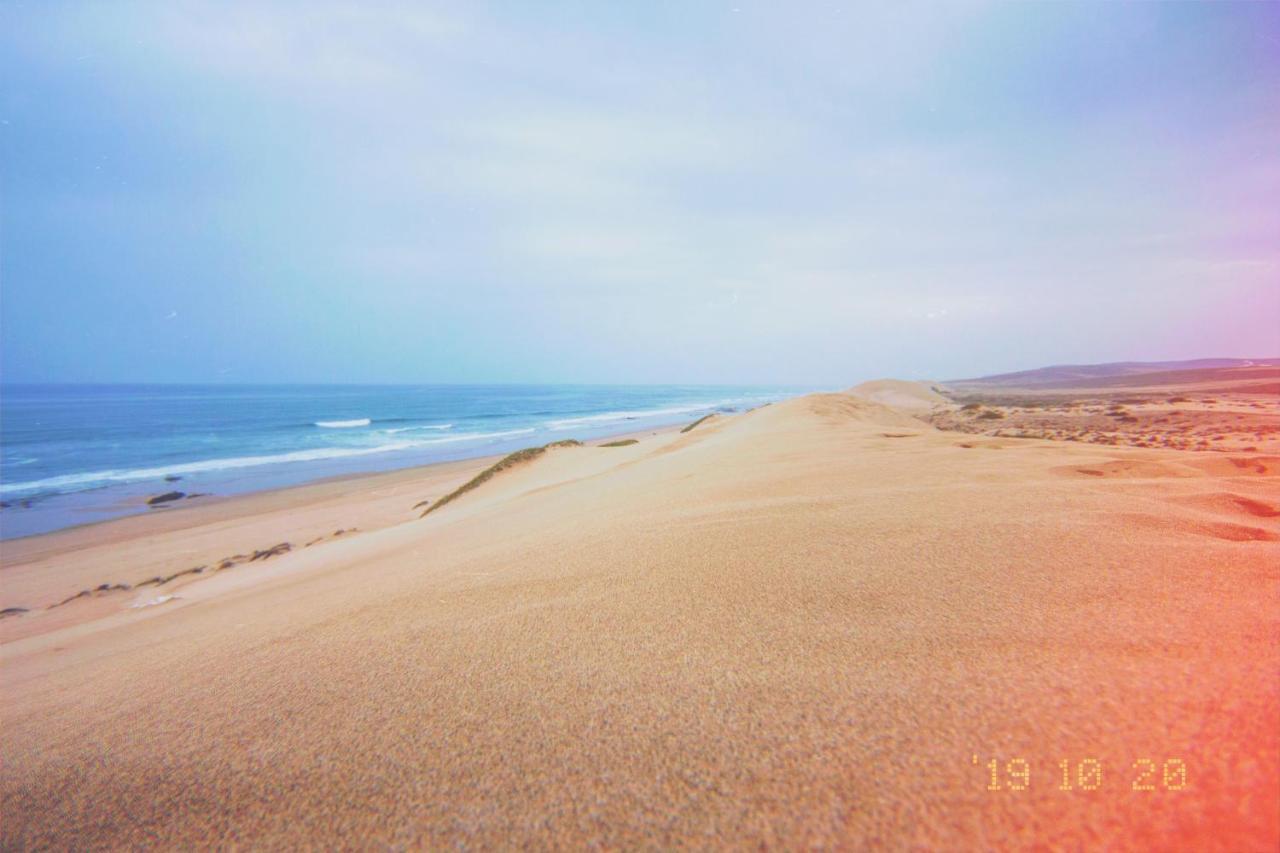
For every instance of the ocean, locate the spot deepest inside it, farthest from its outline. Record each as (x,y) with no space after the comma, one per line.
(71,454)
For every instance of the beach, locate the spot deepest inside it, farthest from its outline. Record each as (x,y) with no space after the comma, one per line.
(846,619)
(76,454)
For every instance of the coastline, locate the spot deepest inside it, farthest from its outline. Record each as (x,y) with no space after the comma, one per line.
(357,502)
(24,517)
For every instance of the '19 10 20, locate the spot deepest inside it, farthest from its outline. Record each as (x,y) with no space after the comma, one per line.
(1086,774)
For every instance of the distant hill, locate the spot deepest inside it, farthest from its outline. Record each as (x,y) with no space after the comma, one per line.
(1120,373)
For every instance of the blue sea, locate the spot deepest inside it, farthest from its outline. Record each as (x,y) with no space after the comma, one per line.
(71,454)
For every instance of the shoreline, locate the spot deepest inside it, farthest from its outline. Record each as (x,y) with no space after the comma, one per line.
(350,503)
(138,508)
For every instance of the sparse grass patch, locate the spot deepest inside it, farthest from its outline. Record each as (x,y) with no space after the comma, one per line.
(508,461)
(695,423)
(621,443)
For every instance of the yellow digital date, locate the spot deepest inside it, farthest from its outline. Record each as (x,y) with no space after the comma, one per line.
(1084,774)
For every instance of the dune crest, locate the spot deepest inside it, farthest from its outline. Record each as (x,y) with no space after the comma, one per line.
(901,394)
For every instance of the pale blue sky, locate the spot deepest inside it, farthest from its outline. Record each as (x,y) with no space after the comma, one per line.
(683,192)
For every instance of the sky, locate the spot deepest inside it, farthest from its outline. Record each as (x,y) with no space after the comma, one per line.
(647,192)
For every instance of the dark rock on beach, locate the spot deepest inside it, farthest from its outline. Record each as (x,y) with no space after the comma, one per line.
(167,497)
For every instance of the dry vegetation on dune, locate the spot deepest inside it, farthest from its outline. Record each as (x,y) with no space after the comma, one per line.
(626,442)
(690,427)
(109,588)
(509,461)
(1224,421)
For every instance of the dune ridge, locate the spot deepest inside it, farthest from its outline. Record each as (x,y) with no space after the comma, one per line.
(901,394)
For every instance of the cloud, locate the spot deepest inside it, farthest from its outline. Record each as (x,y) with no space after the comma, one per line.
(748,178)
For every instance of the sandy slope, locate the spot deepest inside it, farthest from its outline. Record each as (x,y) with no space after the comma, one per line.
(906,396)
(810,624)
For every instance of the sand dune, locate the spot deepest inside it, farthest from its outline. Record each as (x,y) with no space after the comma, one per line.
(811,624)
(900,394)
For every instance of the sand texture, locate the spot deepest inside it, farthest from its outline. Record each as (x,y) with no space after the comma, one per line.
(811,624)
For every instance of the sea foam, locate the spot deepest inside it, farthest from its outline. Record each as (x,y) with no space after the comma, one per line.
(356,422)
(90,478)
(415,428)
(607,417)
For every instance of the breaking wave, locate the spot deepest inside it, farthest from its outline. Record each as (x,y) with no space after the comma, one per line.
(357,422)
(102,478)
